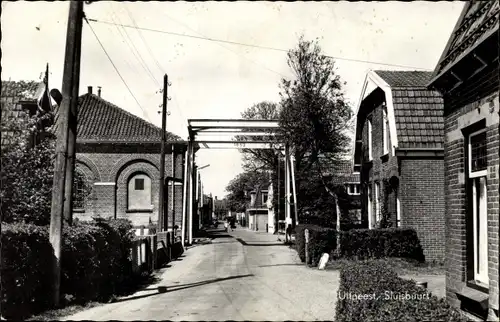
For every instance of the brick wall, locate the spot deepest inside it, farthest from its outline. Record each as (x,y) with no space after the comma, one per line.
(422,203)
(108,168)
(379,168)
(463,107)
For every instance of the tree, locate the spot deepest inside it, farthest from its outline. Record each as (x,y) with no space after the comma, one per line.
(315,118)
(260,159)
(268,160)
(238,187)
(27,160)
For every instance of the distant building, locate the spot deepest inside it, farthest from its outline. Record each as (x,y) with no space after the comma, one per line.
(467,76)
(257,210)
(341,175)
(220,208)
(399,154)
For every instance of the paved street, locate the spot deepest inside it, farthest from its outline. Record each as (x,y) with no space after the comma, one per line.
(241,275)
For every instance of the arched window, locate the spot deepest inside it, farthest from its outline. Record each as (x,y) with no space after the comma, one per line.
(139,192)
(79,190)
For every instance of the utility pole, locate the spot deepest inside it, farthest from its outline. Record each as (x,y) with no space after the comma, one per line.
(163,225)
(57,208)
(73,122)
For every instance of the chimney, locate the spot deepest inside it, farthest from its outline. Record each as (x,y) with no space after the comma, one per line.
(99,91)
(89,89)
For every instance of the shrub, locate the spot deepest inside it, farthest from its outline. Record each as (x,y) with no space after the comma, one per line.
(321,240)
(379,243)
(386,297)
(95,258)
(95,264)
(25,272)
(26,189)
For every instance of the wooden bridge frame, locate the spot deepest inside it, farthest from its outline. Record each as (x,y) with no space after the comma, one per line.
(200,129)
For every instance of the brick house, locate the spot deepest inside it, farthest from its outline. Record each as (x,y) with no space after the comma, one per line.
(399,154)
(467,76)
(257,211)
(342,176)
(118,157)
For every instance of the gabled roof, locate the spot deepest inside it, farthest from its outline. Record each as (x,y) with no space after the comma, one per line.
(411,79)
(341,172)
(477,22)
(100,120)
(418,112)
(415,113)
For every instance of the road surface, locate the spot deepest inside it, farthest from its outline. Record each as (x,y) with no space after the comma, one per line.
(241,275)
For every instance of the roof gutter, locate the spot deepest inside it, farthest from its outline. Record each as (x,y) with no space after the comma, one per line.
(419,152)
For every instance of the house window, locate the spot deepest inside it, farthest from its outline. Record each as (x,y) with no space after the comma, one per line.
(369,206)
(353,188)
(139,192)
(139,184)
(377,202)
(385,125)
(370,140)
(79,183)
(477,172)
(264,198)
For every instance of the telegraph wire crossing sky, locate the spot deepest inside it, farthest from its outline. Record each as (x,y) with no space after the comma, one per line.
(221,57)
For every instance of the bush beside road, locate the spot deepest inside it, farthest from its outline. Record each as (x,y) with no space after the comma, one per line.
(372,291)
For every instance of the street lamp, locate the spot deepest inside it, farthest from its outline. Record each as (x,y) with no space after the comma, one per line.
(203,167)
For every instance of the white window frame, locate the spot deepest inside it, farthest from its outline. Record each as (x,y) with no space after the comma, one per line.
(385,130)
(370,141)
(370,206)
(398,211)
(474,174)
(353,188)
(479,276)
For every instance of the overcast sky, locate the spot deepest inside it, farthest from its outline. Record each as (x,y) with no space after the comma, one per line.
(212,79)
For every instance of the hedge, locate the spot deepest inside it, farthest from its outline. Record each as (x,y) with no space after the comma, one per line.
(379,243)
(25,271)
(300,241)
(95,259)
(322,240)
(371,291)
(95,264)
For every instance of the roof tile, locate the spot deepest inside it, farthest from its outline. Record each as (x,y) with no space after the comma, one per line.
(101,120)
(399,79)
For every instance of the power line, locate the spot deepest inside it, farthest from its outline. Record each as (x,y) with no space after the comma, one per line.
(129,63)
(254,46)
(176,105)
(143,40)
(138,56)
(116,69)
(154,58)
(250,60)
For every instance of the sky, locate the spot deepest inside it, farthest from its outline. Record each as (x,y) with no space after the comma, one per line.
(213,79)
